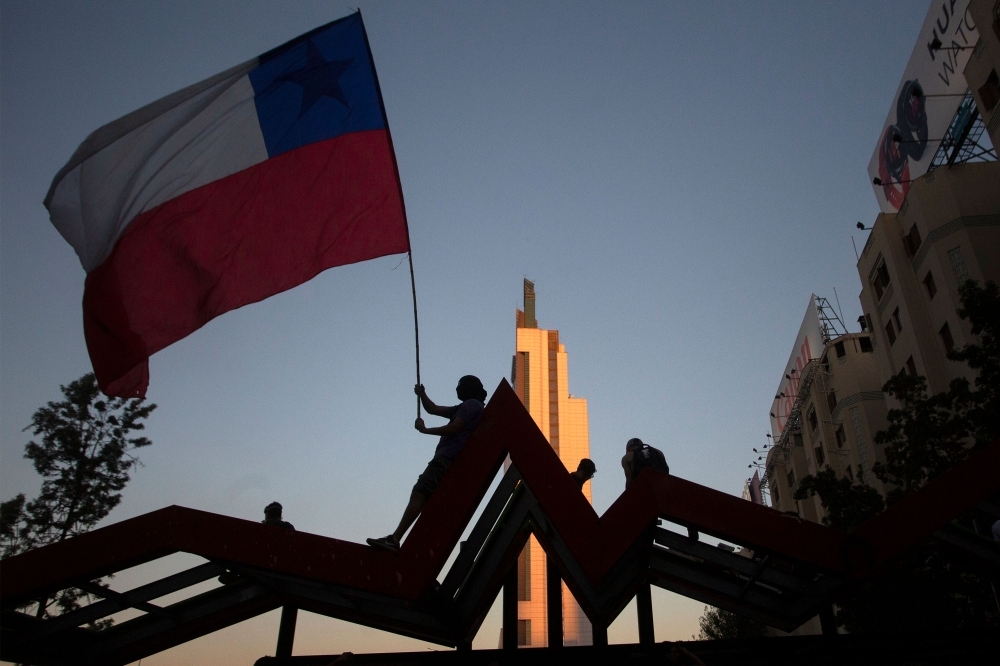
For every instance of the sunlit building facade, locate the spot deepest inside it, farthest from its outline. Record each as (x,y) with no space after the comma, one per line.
(540,378)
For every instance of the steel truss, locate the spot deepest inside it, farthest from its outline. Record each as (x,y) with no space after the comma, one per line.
(792,571)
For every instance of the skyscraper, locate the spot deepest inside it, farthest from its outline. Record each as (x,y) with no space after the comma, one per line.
(540,377)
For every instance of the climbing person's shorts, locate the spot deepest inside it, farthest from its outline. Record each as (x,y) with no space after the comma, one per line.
(431,477)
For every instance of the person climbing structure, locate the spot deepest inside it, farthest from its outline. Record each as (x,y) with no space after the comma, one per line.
(462,420)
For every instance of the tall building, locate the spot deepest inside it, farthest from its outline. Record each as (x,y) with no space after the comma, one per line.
(828,407)
(937,181)
(540,376)
(943,226)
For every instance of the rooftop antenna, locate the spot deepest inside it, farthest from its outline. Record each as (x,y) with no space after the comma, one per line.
(838,306)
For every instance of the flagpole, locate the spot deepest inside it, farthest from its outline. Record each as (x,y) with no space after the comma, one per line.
(416,328)
(399,183)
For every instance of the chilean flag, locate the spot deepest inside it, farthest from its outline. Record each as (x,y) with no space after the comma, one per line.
(227,192)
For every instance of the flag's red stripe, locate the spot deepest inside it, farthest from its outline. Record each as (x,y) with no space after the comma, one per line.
(237,241)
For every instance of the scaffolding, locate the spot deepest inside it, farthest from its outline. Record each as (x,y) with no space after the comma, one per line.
(966,139)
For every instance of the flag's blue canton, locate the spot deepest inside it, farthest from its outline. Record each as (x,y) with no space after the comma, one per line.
(316,87)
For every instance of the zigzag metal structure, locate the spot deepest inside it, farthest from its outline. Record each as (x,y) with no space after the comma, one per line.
(797,566)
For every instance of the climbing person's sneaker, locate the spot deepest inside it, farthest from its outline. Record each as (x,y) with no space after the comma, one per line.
(386,543)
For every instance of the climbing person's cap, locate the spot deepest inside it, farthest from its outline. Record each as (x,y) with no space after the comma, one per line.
(472,384)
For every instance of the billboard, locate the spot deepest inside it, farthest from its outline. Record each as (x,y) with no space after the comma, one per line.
(751,490)
(808,345)
(925,103)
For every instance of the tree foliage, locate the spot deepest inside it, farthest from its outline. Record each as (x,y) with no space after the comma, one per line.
(847,504)
(926,435)
(981,407)
(717,623)
(85,455)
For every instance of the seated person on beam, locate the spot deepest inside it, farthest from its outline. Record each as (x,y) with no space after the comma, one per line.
(463,419)
(638,456)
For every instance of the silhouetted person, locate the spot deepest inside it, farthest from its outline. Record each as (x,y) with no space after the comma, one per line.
(272,516)
(462,420)
(639,456)
(289,614)
(584,472)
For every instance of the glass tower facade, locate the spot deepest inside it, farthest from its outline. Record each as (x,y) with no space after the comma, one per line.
(540,377)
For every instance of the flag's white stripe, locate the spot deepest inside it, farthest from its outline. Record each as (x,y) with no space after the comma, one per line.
(104,136)
(191,142)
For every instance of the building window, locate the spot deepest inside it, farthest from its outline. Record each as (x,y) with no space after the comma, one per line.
(848,473)
(524,632)
(831,400)
(797,439)
(524,573)
(841,350)
(859,438)
(989,92)
(820,458)
(813,421)
(865,344)
(945,333)
(929,285)
(890,333)
(897,320)
(879,278)
(911,241)
(958,265)
(840,437)
(826,364)
(790,478)
(775,498)
(911,367)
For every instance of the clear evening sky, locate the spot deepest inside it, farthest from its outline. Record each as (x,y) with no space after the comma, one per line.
(677,178)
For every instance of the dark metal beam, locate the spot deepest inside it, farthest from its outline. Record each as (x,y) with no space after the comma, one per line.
(553,597)
(644,611)
(286,631)
(510,610)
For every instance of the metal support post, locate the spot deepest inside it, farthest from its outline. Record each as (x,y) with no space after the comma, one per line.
(510,609)
(827,622)
(644,611)
(286,631)
(553,590)
(600,634)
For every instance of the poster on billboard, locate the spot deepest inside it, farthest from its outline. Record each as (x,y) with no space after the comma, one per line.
(808,345)
(925,103)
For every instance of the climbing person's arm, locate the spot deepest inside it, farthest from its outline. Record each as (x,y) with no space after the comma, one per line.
(429,405)
(453,428)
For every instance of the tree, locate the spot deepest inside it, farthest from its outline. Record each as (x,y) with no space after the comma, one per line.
(85,456)
(981,407)
(926,590)
(717,623)
(847,504)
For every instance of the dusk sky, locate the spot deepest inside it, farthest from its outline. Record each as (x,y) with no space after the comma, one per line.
(677,179)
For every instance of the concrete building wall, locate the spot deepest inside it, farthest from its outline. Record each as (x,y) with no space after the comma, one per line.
(840,407)
(984,65)
(955,214)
